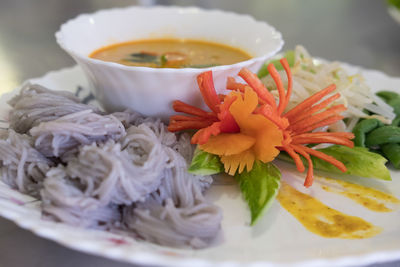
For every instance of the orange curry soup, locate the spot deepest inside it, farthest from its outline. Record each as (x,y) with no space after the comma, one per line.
(171,53)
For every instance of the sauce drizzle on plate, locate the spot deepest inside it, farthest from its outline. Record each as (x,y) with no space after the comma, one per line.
(370,198)
(321,219)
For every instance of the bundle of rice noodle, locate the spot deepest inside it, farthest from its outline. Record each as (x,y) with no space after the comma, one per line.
(118,172)
(22,167)
(36,104)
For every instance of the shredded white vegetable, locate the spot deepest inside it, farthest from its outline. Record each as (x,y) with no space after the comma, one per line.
(311,76)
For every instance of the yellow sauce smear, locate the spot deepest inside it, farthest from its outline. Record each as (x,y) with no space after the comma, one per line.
(321,219)
(370,198)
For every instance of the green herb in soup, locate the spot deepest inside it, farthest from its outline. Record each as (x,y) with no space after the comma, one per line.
(171,53)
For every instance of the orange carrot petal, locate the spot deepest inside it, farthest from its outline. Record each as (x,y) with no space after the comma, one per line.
(310,101)
(255,83)
(180,106)
(185,125)
(313,109)
(322,140)
(325,122)
(286,67)
(175,118)
(202,135)
(231,84)
(297,160)
(306,122)
(228,144)
(347,135)
(206,86)
(279,85)
(338,164)
(270,113)
(310,172)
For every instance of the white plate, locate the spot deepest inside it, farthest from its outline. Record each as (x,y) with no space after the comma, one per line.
(277,239)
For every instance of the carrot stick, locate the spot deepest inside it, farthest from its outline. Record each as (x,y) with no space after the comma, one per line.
(327,121)
(184,125)
(309,101)
(206,86)
(180,106)
(279,85)
(310,172)
(231,84)
(255,83)
(313,109)
(322,140)
(201,137)
(175,118)
(297,160)
(336,134)
(286,67)
(270,114)
(301,124)
(338,164)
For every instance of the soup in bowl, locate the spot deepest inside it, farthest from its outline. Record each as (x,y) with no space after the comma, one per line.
(144,58)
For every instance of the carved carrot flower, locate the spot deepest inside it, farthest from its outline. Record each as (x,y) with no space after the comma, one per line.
(248,124)
(300,124)
(231,130)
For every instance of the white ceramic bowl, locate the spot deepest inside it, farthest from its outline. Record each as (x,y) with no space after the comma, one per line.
(152,90)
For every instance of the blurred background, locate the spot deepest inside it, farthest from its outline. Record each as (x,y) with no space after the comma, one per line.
(359,32)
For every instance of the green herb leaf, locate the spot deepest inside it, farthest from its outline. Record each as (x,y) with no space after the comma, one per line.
(143,57)
(204,163)
(358,161)
(289,55)
(259,187)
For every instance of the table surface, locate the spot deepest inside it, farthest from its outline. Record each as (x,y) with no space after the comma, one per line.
(359,32)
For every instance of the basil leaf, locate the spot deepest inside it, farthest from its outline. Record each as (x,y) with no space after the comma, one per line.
(143,57)
(259,187)
(204,163)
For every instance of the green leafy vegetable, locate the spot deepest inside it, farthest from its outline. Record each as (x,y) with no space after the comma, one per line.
(364,127)
(358,161)
(259,187)
(383,135)
(392,153)
(204,163)
(289,55)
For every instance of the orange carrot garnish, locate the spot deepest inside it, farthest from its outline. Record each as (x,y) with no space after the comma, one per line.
(298,122)
(248,125)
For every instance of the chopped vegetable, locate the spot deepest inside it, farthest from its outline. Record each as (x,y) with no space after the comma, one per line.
(358,161)
(259,187)
(392,153)
(204,163)
(383,135)
(364,127)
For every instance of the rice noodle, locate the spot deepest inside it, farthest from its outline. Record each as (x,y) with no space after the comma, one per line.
(54,138)
(119,172)
(22,167)
(36,104)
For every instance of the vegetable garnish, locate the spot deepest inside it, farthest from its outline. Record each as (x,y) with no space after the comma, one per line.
(248,125)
